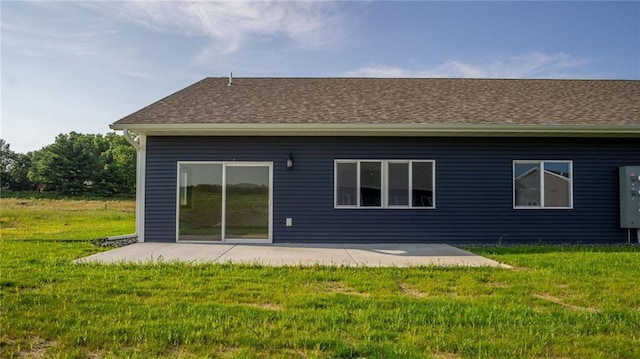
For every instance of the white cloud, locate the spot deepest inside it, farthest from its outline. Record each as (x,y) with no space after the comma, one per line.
(229,25)
(532,65)
(221,29)
(37,36)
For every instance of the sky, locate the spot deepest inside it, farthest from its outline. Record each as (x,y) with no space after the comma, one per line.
(80,66)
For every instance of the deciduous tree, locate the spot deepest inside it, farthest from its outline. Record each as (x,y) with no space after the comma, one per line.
(14,168)
(86,164)
(118,175)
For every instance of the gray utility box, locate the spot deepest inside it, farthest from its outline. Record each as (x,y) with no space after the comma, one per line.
(630,197)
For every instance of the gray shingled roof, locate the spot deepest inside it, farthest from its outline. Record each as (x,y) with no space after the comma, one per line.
(374,101)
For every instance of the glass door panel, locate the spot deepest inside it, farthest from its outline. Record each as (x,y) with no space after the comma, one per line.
(200,202)
(247,202)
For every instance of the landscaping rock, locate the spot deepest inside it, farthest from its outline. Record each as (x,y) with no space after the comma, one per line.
(115,242)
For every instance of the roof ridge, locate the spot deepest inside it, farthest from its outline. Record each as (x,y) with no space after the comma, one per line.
(437,101)
(411,78)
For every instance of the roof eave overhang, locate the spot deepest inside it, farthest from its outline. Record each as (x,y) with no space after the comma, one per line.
(407,130)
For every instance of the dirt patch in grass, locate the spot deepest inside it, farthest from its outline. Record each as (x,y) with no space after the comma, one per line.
(339,287)
(548,297)
(409,291)
(267,306)
(38,348)
(182,353)
(97,354)
(230,351)
(443,355)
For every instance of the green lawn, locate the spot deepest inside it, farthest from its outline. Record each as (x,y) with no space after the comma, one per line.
(65,219)
(559,302)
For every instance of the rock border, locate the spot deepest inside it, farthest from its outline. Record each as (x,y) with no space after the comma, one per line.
(115,242)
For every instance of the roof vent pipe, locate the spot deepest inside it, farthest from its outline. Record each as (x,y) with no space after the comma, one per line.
(230,79)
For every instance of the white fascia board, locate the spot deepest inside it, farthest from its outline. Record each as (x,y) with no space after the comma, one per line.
(306,129)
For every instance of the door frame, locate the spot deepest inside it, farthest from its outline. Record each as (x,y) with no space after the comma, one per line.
(225,164)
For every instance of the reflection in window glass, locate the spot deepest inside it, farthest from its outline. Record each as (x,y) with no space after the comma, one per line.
(527,184)
(371,184)
(200,202)
(385,183)
(557,184)
(247,202)
(398,184)
(422,184)
(347,184)
(543,184)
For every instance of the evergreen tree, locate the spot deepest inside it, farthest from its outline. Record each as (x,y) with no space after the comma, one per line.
(79,164)
(71,165)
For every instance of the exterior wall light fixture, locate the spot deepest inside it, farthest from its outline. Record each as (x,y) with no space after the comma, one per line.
(290,161)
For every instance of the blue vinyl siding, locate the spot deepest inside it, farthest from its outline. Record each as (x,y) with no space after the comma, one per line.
(473,183)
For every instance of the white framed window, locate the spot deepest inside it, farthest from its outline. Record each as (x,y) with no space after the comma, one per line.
(539,184)
(384,184)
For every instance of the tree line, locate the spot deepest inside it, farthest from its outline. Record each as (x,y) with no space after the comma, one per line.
(74,164)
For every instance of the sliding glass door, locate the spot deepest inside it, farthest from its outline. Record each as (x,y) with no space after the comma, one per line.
(224,201)
(247,202)
(200,202)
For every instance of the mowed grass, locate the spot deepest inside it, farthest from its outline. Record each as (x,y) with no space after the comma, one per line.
(557,302)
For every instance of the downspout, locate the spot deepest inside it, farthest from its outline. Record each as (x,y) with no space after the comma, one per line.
(138,141)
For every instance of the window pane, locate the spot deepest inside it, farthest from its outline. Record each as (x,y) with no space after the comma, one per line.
(370,184)
(200,194)
(247,205)
(557,184)
(526,182)
(398,184)
(422,182)
(347,184)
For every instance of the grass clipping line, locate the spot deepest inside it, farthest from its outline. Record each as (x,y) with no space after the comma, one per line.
(556,300)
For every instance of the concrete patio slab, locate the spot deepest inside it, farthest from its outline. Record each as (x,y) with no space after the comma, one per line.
(160,252)
(289,254)
(393,255)
(369,255)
